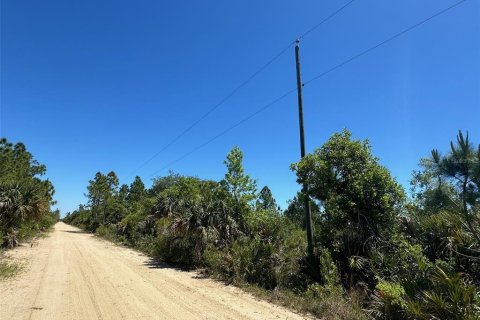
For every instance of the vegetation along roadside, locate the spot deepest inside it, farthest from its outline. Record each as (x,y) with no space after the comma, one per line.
(25,200)
(380,253)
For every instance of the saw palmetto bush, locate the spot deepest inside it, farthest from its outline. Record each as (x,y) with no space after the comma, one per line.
(451,296)
(192,214)
(270,253)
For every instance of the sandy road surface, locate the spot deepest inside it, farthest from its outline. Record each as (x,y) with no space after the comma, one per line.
(73,275)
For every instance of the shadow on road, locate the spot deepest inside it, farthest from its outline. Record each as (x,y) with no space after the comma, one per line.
(76,231)
(201,274)
(153,263)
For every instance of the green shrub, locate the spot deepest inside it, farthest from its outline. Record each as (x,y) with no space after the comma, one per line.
(328,270)
(451,297)
(219,261)
(399,261)
(389,301)
(108,232)
(31,228)
(332,305)
(271,257)
(172,244)
(254,262)
(145,244)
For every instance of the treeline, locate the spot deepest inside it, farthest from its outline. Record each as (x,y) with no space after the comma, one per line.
(378,253)
(25,198)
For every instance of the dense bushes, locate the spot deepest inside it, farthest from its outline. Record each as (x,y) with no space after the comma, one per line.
(360,199)
(24,197)
(269,253)
(378,253)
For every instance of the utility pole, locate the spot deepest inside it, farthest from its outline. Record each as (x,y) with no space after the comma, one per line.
(308,212)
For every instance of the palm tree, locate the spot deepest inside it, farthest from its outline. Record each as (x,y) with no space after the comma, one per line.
(17,204)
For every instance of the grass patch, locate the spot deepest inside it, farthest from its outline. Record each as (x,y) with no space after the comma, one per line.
(8,268)
(332,306)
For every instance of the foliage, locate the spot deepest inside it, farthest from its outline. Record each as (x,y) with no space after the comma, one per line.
(295,211)
(271,256)
(451,297)
(107,232)
(197,212)
(389,301)
(103,200)
(360,200)
(25,198)
(445,214)
(136,191)
(378,254)
(328,270)
(332,305)
(266,201)
(236,182)
(461,167)
(163,183)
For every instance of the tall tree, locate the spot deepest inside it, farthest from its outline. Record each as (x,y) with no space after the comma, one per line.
(17,164)
(137,190)
(266,200)
(101,194)
(461,167)
(239,184)
(360,198)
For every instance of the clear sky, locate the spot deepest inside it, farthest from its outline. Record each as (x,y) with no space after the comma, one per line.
(103,85)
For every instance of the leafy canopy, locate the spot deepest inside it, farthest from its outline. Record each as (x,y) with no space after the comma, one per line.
(356,192)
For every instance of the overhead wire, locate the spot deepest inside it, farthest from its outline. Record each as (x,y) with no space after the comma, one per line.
(416,25)
(215,107)
(281,97)
(333,14)
(258,111)
(237,88)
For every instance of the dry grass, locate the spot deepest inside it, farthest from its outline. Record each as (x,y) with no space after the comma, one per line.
(9,268)
(332,306)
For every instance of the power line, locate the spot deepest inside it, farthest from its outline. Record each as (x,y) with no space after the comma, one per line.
(384,42)
(333,14)
(215,107)
(309,81)
(236,89)
(258,111)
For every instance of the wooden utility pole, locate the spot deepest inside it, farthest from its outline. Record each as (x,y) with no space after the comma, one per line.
(308,212)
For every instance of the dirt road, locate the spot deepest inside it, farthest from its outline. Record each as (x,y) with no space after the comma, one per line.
(74,275)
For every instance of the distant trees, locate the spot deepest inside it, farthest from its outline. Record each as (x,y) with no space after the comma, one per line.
(103,196)
(136,192)
(266,201)
(295,211)
(25,198)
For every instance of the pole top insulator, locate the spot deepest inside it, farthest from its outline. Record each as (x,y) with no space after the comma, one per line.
(297,41)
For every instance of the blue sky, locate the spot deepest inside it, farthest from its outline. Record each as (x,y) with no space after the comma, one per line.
(103,85)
